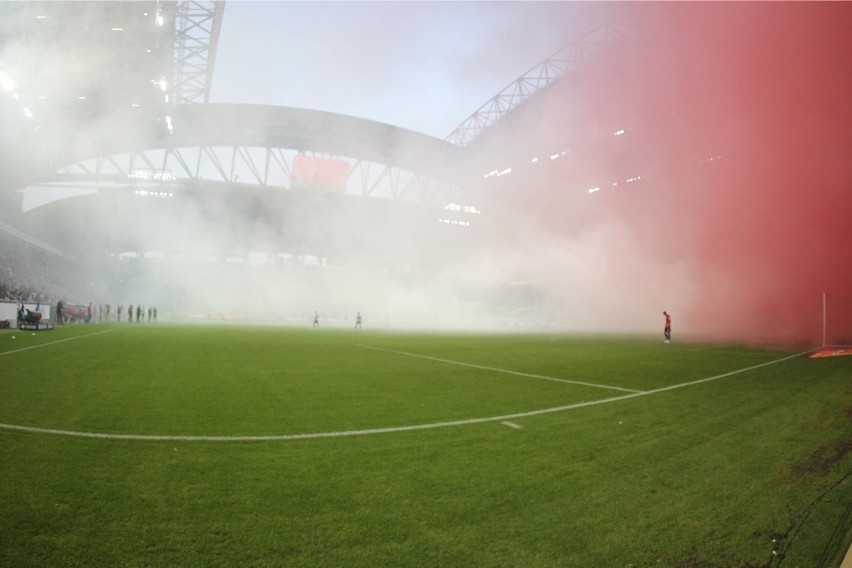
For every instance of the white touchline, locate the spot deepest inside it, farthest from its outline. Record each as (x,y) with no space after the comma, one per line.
(498,370)
(389,430)
(59,341)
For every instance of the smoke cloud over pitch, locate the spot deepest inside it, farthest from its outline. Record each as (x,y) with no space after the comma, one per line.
(736,117)
(725,200)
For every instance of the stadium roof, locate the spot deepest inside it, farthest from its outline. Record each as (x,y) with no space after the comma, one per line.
(83,80)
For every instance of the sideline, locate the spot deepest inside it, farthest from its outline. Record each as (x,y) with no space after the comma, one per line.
(59,341)
(498,370)
(389,430)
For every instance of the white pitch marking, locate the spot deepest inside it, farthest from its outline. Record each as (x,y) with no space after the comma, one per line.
(498,370)
(390,430)
(511,425)
(59,341)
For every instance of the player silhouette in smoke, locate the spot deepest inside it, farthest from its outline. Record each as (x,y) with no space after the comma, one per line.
(667,330)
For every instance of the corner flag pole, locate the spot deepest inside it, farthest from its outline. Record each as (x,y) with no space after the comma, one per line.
(823,319)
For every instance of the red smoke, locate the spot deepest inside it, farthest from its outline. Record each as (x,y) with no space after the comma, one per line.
(766,90)
(777,216)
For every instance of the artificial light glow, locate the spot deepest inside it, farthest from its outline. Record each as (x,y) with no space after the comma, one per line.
(164,84)
(146,193)
(498,173)
(118,29)
(465,208)
(454,222)
(6,82)
(160,20)
(27,113)
(151,175)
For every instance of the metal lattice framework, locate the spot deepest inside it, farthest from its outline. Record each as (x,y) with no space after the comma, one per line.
(539,77)
(256,144)
(247,165)
(381,157)
(197,26)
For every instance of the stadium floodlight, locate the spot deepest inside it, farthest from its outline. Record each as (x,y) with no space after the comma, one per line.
(6,82)
(455,222)
(162,176)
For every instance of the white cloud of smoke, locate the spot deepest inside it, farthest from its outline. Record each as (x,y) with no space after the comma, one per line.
(544,251)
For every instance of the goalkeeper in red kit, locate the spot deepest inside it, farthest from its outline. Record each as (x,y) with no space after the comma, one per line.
(667,331)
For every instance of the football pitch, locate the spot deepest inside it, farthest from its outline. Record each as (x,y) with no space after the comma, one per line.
(226,445)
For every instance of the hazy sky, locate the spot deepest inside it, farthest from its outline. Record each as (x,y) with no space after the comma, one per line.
(425,66)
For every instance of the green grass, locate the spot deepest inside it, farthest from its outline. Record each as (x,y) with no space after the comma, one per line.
(700,476)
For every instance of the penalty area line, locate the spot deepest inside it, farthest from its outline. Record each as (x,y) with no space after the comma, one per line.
(499,370)
(505,418)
